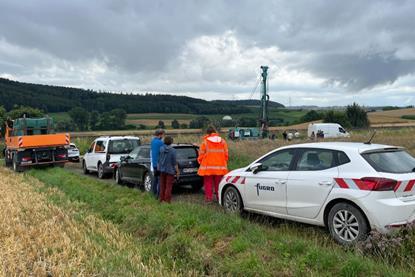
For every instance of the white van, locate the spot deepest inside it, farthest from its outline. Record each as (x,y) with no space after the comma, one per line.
(330,130)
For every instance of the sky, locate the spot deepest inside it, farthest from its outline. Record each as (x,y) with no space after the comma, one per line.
(323,53)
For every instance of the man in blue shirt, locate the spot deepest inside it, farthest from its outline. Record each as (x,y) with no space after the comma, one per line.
(156,143)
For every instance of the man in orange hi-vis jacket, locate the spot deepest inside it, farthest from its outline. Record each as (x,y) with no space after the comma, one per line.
(213,160)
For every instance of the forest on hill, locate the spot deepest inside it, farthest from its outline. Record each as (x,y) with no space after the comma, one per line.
(54,99)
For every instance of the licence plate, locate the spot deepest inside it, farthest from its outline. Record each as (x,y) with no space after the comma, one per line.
(189,170)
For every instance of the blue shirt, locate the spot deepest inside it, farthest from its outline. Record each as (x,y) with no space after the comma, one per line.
(168,160)
(156,143)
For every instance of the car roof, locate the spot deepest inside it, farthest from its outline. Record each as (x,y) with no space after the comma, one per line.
(117,137)
(174,145)
(344,146)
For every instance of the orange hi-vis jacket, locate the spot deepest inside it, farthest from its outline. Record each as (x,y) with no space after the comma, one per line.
(213,156)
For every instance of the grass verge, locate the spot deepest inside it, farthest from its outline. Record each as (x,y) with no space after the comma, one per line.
(189,238)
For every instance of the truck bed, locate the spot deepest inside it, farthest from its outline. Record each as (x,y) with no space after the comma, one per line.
(37,141)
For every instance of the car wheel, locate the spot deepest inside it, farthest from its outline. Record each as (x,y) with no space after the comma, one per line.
(100,173)
(84,169)
(118,178)
(347,224)
(148,182)
(232,201)
(6,158)
(196,187)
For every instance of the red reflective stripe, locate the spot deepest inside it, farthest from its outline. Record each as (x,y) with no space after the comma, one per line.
(397,185)
(235,179)
(243,181)
(410,185)
(228,178)
(341,183)
(361,185)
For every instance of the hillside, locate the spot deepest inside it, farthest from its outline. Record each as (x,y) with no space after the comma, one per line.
(62,99)
(251,102)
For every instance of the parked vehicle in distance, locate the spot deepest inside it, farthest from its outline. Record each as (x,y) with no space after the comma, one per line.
(136,168)
(330,130)
(351,188)
(73,153)
(105,153)
(32,142)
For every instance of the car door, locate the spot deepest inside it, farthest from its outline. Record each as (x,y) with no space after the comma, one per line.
(99,151)
(138,167)
(311,181)
(265,190)
(89,155)
(127,165)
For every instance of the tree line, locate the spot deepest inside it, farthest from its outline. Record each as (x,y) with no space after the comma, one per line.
(63,99)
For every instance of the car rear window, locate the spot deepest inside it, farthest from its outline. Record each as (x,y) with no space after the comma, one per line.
(186,153)
(396,161)
(122,146)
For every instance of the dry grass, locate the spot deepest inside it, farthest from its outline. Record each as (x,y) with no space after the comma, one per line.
(40,239)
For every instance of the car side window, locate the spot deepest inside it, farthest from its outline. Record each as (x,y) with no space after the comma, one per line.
(341,130)
(315,159)
(144,153)
(342,158)
(99,146)
(91,147)
(278,161)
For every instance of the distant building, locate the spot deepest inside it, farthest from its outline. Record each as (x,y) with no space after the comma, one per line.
(227,117)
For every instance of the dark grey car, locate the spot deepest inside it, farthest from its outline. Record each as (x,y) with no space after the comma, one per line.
(136,167)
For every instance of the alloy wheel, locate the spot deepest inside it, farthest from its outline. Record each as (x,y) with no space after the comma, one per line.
(231,201)
(346,225)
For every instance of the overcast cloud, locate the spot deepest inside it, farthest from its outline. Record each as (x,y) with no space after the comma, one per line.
(319,52)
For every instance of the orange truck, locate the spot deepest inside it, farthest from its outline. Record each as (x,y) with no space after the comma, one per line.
(32,141)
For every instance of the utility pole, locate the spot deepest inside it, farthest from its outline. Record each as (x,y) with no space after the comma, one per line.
(264,103)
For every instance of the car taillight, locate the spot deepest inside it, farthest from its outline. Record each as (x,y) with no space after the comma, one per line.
(61,156)
(26,159)
(379,184)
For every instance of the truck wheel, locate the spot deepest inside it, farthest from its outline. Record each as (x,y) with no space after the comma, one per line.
(347,224)
(7,160)
(100,172)
(16,166)
(84,169)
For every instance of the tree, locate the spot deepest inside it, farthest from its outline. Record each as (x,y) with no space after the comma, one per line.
(311,116)
(161,125)
(337,117)
(175,124)
(184,126)
(94,120)
(80,117)
(247,122)
(21,111)
(65,126)
(2,119)
(118,118)
(199,122)
(357,116)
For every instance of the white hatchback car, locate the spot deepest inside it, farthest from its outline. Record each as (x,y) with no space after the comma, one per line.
(351,188)
(105,153)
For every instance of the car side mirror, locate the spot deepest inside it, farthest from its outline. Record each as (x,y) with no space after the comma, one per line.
(256,167)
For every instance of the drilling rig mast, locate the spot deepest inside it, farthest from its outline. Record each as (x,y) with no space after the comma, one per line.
(264,103)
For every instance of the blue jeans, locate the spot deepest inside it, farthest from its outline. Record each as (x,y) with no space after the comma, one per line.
(155,188)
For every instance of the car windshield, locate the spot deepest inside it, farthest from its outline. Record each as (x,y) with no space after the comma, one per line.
(397,161)
(186,153)
(123,146)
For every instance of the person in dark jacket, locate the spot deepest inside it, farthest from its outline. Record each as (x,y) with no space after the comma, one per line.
(156,143)
(168,167)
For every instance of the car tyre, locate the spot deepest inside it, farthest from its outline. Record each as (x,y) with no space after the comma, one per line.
(100,172)
(147,182)
(84,168)
(347,224)
(196,187)
(8,161)
(118,177)
(232,201)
